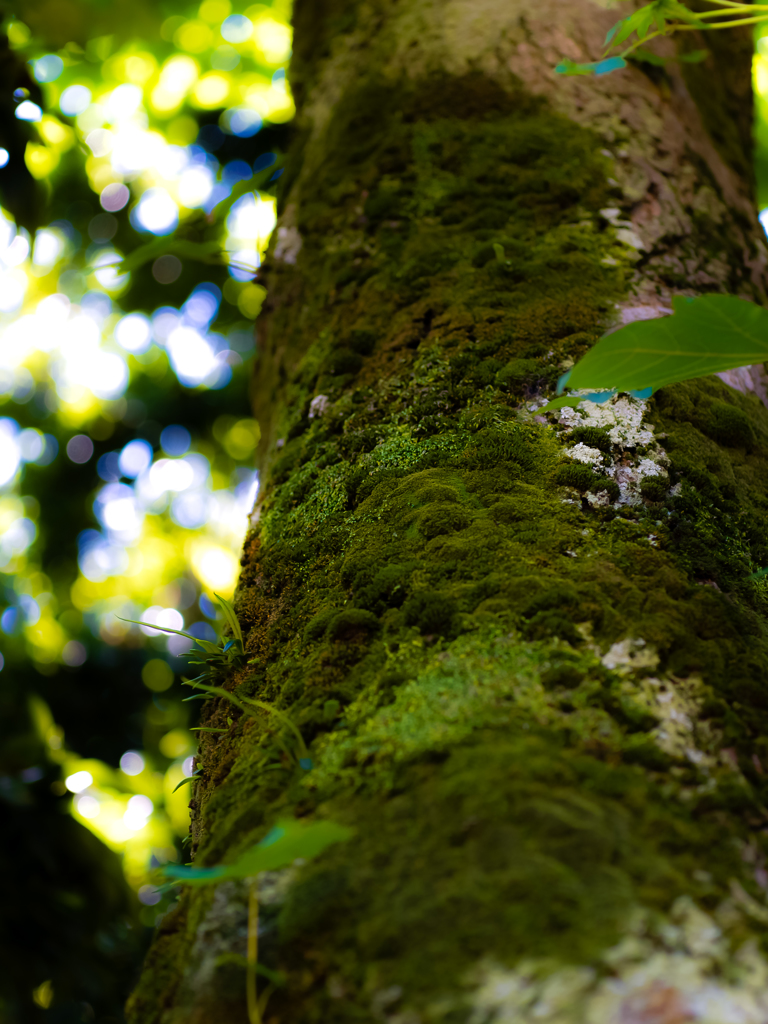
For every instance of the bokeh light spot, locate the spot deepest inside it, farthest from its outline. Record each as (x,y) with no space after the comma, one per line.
(78,781)
(114,197)
(156,212)
(79,448)
(135,458)
(237,28)
(241,121)
(149,895)
(74,100)
(132,763)
(166,269)
(102,227)
(87,806)
(74,654)
(175,440)
(176,743)
(29,111)
(48,68)
(137,812)
(157,675)
(134,332)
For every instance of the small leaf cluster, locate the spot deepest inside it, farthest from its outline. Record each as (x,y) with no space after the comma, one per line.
(222,658)
(663,18)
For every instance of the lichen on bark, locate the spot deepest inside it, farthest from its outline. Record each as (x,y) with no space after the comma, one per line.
(526,654)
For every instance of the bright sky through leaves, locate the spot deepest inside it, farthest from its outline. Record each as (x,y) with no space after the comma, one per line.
(144,130)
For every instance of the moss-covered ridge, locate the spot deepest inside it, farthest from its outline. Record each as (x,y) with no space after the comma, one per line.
(540,710)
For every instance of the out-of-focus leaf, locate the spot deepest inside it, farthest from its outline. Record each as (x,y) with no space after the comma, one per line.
(203,252)
(91,21)
(288,841)
(599,67)
(694,57)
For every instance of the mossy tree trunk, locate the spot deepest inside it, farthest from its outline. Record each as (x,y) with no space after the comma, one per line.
(525,652)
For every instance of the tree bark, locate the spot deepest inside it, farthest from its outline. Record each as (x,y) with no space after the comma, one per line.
(526,653)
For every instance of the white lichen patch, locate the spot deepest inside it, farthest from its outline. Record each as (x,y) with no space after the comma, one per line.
(630,656)
(635,455)
(676,703)
(318,406)
(621,417)
(288,247)
(677,969)
(583,453)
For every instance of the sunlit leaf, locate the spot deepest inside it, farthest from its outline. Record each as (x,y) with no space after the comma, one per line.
(704,335)
(189,779)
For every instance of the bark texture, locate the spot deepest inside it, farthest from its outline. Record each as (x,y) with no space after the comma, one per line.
(526,653)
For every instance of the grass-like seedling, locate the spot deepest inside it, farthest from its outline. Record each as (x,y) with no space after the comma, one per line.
(220,659)
(288,841)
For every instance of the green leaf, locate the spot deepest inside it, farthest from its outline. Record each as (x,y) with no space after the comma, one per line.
(704,335)
(570,67)
(203,252)
(572,401)
(674,9)
(604,67)
(638,22)
(612,31)
(288,841)
(205,644)
(648,58)
(694,57)
(281,716)
(230,618)
(189,778)
(219,691)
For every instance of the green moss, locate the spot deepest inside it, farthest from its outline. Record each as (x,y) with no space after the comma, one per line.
(593,437)
(426,602)
(730,425)
(583,478)
(654,488)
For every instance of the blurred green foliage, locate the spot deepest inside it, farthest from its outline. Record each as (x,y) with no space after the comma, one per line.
(140,147)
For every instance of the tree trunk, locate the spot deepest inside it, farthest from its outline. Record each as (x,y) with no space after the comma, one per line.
(526,653)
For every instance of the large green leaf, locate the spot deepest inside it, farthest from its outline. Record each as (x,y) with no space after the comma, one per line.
(704,335)
(288,841)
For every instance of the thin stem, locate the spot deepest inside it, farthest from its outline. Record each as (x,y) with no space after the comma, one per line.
(254,1010)
(725,24)
(734,3)
(741,9)
(689,28)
